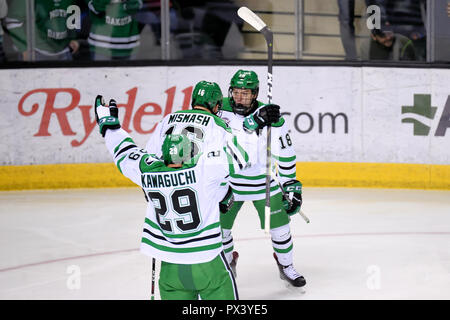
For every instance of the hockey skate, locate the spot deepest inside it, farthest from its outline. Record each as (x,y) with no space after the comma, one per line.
(234,262)
(289,274)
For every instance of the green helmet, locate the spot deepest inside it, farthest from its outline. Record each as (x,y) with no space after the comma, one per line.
(176,149)
(244,79)
(208,95)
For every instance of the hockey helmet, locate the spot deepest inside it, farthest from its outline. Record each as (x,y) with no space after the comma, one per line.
(244,79)
(176,149)
(207,94)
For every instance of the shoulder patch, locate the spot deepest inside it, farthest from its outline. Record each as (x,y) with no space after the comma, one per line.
(221,123)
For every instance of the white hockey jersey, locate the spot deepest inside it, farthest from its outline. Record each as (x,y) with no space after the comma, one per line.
(207,131)
(252,184)
(182,220)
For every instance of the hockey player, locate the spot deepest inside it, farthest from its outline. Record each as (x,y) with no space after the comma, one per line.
(202,125)
(240,111)
(54,40)
(186,193)
(205,129)
(182,227)
(114,33)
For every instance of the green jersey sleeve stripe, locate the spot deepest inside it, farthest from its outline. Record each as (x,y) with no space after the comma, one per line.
(118,163)
(185,235)
(284,159)
(292,175)
(143,165)
(239,176)
(236,155)
(260,191)
(230,162)
(241,150)
(283,250)
(123,141)
(227,250)
(182,250)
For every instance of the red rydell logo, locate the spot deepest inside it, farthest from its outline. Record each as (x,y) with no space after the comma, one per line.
(87,113)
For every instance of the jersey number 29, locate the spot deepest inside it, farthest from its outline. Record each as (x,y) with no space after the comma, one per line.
(183,202)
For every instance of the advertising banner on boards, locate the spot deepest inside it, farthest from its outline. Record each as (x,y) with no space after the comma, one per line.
(335,114)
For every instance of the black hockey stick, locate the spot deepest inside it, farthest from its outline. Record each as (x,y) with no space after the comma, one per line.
(153,279)
(252,19)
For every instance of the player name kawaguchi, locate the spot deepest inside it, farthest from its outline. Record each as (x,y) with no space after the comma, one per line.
(167,180)
(190,118)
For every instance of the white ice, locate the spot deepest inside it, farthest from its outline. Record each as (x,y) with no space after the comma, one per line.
(360,244)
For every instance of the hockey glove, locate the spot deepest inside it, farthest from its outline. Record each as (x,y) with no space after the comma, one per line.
(106,116)
(292,200)
(262,117)
(227,201)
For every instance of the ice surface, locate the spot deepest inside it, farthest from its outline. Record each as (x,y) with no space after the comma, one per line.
(360,244)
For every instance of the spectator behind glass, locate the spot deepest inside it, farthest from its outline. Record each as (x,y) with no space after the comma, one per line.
(114,33)
(219,16)
(82,34)
(384,44)
(203,26)
(151,14)
(347,27)
(405,17)
(441,25)
(54,41)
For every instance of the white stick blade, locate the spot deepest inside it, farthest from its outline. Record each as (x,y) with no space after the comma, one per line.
(251,18)
(304,216)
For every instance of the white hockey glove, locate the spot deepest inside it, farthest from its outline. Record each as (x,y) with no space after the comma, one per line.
(292,200)
(107,117)
(262,117)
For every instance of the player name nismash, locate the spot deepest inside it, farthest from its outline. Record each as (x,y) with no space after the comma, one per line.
(190,118)
(167,180)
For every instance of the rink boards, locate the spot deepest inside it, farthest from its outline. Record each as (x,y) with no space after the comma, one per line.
(351,126)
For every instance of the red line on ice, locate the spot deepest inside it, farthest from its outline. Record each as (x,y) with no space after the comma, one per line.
(237,239)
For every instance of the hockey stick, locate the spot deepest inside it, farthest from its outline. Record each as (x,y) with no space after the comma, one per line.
(153,279)
(286,197)
(252,19)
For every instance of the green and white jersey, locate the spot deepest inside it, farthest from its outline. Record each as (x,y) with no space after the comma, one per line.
(208,132)
(252,184)
(182,221)
(114,30)
(51,32)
